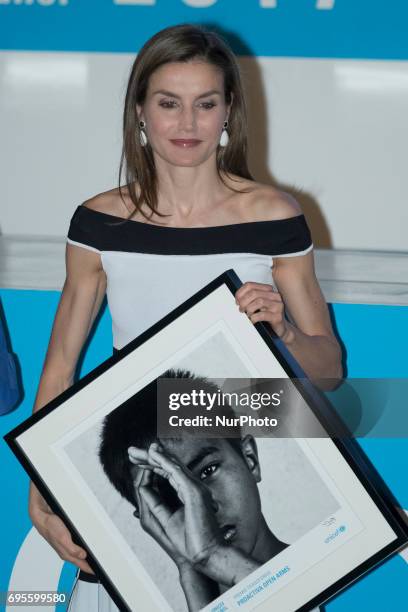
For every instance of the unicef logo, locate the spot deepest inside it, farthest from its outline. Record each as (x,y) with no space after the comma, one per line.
(340,530)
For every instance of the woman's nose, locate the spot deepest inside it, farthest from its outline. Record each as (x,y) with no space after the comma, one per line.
(187,119)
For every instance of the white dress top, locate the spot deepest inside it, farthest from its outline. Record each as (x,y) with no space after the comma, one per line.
(152,269)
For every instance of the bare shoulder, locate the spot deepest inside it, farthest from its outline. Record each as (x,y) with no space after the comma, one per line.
(111,203)
(266,203)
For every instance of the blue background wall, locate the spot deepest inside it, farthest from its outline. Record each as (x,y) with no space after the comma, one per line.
(372,29)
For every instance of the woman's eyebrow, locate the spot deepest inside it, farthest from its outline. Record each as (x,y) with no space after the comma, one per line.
(170,94)
(212,92)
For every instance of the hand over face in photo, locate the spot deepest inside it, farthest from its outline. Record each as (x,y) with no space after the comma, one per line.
(217,526)
(196,497)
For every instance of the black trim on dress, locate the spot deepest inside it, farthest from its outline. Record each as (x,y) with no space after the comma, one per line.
(105,232)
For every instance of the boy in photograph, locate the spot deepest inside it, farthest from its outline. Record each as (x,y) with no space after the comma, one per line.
(197,497)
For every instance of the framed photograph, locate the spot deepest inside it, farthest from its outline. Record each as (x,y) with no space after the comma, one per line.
(183,521)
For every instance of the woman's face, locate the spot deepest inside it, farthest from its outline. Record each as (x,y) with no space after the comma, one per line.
(184,111)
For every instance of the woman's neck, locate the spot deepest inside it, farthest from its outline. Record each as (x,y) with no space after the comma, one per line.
(188,193)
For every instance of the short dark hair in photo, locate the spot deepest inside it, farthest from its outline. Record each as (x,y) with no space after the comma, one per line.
(134,423)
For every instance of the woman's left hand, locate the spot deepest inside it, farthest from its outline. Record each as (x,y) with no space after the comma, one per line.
(261,302)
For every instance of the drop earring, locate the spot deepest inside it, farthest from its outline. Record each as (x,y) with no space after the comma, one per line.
(143,137)
(224,139)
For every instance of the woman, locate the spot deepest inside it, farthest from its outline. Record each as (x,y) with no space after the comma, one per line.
(189,211)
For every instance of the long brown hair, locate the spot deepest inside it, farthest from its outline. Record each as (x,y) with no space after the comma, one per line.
(181,43)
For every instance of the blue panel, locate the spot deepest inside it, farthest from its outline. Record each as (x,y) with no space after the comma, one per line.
(375,338)
(346,28)
(383,590)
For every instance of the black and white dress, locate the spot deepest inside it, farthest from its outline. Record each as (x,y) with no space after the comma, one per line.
(152,269)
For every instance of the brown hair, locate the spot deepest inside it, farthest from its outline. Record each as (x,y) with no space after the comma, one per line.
(181,43)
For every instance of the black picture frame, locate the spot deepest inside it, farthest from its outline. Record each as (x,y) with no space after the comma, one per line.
(347,447)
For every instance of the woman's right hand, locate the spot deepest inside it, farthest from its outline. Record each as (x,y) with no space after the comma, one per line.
(51,527)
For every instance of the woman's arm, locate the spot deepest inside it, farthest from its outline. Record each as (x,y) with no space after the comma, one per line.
(81,298)
(309,337)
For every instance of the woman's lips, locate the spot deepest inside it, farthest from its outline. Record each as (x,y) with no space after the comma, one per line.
(185,143)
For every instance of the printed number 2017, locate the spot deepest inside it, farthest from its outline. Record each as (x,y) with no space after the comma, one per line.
(319,4)
(267,4)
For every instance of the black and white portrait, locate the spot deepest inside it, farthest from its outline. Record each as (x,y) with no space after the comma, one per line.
(199,514)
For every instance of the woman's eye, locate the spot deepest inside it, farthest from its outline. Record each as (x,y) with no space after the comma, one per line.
(208,471)
(207,105)
(168,103)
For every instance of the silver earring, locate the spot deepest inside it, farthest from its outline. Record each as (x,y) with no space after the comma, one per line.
(143,137)
(224,139)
